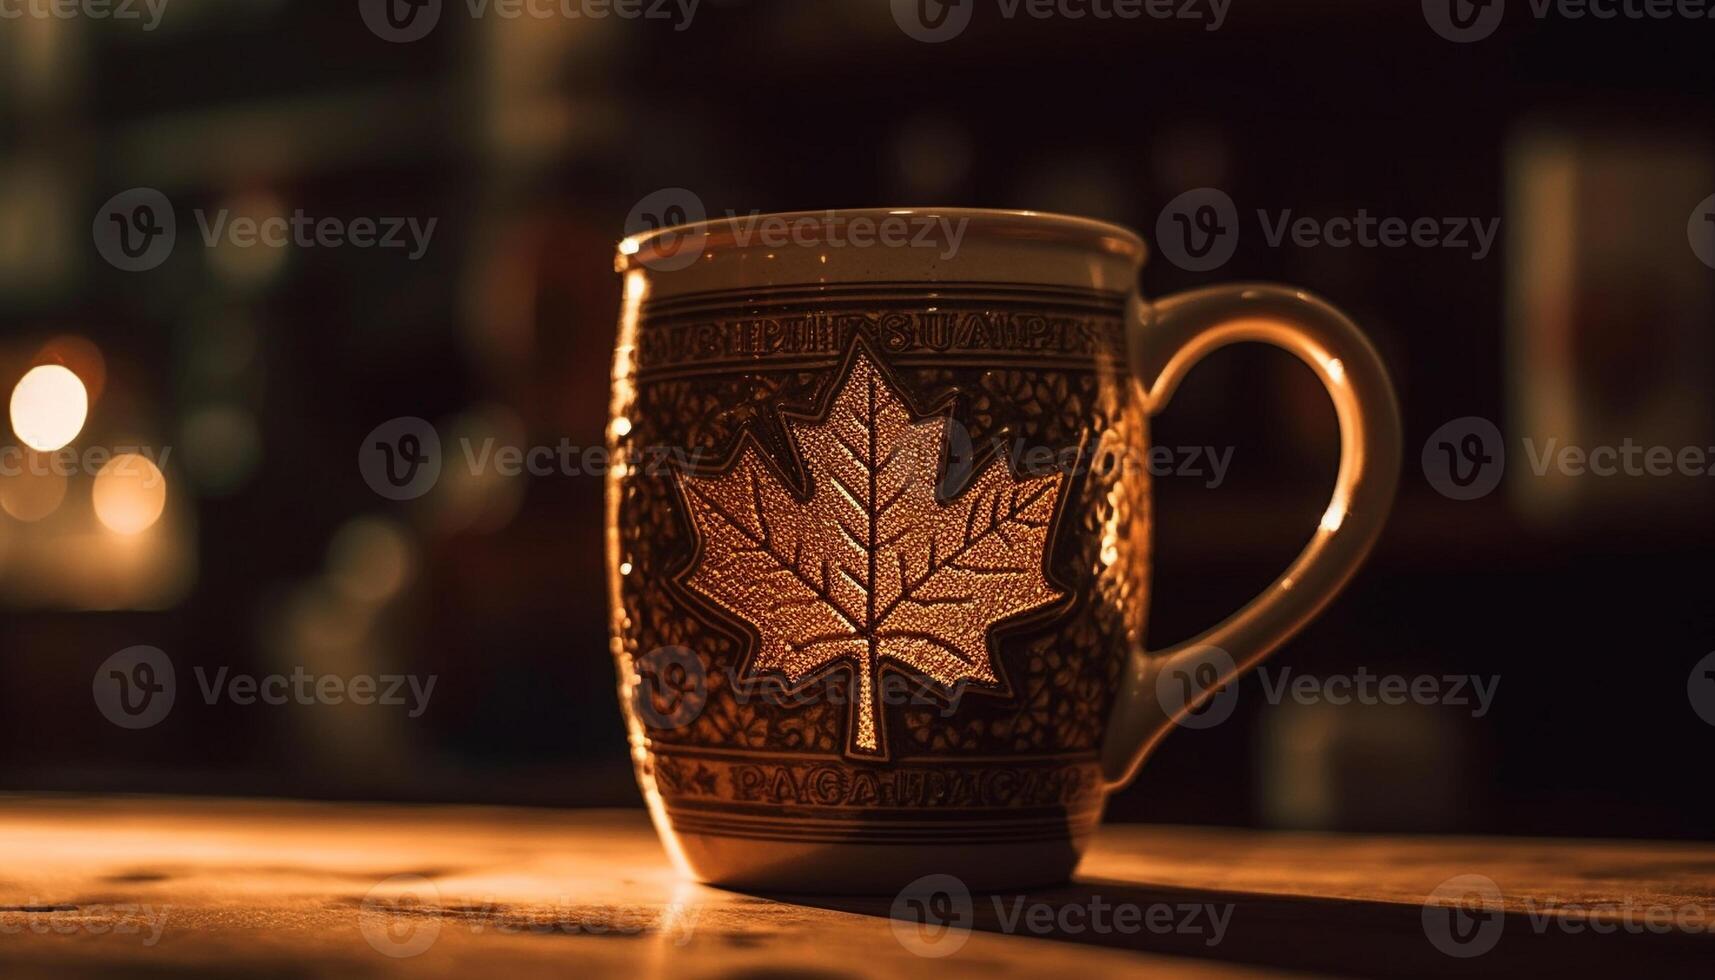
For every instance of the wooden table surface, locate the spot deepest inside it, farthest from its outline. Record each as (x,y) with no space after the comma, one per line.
(177,888)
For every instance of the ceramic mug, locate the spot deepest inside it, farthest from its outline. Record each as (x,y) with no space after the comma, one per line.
(878,536)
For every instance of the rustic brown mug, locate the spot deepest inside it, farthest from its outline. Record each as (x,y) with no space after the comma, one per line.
(879,550)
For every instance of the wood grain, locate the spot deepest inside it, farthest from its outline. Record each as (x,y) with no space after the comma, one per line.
(219,888)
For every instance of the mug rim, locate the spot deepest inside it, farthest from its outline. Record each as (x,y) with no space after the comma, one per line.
(996,223)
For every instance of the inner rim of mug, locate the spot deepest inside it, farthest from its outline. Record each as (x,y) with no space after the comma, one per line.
(1034,226)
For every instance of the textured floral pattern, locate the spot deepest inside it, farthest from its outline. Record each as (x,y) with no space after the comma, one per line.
(1057,677)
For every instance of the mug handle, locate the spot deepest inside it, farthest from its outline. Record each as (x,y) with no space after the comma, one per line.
(1170,337)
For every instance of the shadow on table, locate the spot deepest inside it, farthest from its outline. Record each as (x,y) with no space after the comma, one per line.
(1366,938)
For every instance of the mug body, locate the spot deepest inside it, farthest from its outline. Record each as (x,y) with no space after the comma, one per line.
(878,541)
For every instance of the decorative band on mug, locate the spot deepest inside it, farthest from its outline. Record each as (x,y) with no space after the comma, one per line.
(970,835)
(816,298)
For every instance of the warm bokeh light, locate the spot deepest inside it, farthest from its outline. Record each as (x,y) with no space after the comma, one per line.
(49,407)
(371,559)
(258,259)
(222,447)
(81,357)
(30,489)
(130,493)
(482,499)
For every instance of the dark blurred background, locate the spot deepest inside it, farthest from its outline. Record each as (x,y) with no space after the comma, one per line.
(529,141)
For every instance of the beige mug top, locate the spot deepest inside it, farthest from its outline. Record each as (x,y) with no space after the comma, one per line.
(892,245)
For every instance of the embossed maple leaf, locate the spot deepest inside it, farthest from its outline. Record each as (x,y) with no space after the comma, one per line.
(871,569)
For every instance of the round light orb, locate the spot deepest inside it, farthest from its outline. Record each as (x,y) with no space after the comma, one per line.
(49,407)
(129,494)
(31,489)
